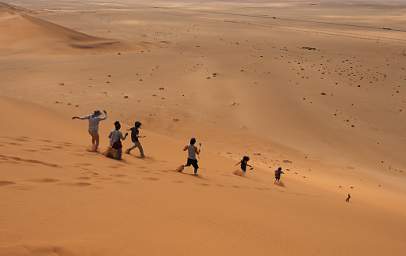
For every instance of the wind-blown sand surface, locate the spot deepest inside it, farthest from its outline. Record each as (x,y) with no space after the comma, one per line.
(314,87)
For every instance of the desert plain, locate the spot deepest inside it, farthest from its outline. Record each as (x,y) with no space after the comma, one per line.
(314,87)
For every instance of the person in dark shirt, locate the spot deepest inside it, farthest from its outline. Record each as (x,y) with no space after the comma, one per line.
(135,136)
(243,164)
(278,173)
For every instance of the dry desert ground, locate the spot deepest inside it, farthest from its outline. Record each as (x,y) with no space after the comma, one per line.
(315,87)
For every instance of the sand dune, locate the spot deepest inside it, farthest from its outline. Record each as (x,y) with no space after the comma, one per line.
(316,88)
(23,33)
(67,201)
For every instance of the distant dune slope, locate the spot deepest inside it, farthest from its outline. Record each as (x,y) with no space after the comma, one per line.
(21,32)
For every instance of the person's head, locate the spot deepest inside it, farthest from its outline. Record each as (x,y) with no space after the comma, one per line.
(245,158)
(280,169)
(192,141)
(117,125)
(137,124)
(96,113)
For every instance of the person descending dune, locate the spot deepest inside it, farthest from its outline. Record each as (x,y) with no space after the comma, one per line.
(115,150)
(94,120)
(348,198)
(243,164)
(193,152)
(278,173)
(135,139)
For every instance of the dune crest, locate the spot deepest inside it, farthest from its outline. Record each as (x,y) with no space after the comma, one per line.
(20,32)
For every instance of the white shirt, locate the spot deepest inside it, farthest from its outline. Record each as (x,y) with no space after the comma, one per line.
(191,152)
(115,136)
(94,122)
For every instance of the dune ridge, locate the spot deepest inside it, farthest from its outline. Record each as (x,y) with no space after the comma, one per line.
(22,32)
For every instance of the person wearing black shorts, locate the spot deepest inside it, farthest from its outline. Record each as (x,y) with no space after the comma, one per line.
(193,151)
(192,162)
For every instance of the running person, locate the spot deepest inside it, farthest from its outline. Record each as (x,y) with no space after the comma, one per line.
(243,164)
(193,151)
(135,139)
(94,120)
(278,173)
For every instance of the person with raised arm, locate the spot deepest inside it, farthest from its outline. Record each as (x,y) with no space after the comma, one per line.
(94,120)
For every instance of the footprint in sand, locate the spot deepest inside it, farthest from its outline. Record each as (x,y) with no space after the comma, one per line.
(178,181)
(119,175)
(105,178)
(91,173)
(45,180)
(82,166)
(151,178)
(6,183)
(22,139)
(14,144)
(35,250)
(45,140)
(82,184)
(262,188)
(29,161)
(280,184)
(31,150)
(77,184)
(83,178)
(122,182)
(116,166)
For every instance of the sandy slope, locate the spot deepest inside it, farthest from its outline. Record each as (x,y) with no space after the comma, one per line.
(291,84)
(66,201)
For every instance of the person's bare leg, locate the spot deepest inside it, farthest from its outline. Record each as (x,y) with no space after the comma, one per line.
(181,168)
(96,144)
(93,142)
(141,150)
(128,151)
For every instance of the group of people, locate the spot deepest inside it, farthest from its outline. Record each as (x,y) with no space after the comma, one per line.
(116,137)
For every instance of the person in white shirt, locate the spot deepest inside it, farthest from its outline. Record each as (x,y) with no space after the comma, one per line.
(94,120)
(193,152)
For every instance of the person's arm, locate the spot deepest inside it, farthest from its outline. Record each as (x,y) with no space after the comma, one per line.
(140,136)
(125,136)
(197,150)
(185,148)
(104,117)
(81,117)
(238,163)
(111,134)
